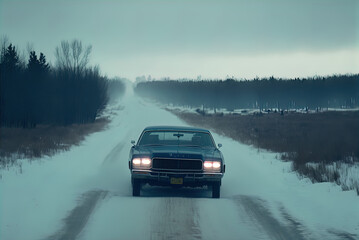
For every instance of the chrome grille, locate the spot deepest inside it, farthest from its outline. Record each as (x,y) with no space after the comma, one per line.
(177,164)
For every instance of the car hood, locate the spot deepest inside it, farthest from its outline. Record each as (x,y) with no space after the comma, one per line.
(177,152)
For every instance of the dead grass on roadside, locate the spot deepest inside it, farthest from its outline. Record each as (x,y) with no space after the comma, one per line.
(322,138)
(43,140)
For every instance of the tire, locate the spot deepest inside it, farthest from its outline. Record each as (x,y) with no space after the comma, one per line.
(136,188)
(216,190)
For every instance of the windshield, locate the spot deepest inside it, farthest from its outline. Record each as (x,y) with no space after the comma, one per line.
(174,138)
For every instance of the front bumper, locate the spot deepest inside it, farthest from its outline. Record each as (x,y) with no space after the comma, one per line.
(192,179)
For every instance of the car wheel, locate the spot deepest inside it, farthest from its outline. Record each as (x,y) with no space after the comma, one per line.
(216,190)
(136,188)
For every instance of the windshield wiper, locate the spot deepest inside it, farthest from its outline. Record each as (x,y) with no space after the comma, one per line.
(191,146)
(153,145)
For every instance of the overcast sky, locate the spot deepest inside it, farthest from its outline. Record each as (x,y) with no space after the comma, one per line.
(244,39)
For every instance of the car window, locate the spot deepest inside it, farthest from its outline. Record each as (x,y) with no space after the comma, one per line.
(182,138)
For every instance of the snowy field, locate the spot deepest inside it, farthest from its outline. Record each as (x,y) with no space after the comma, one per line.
(85,193)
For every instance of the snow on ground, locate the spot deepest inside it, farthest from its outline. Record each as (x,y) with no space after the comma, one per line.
(348,173)
(319,206)
(85,193)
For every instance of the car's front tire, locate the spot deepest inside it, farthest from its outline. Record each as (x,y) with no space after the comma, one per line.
(136,188)
(216,190)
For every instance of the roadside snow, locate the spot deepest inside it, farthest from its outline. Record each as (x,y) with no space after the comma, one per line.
(348,173)
(320,207)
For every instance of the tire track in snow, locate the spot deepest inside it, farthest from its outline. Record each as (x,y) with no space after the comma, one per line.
(175,218)
(343,235)
(113,155)
(274,229)
(78,217)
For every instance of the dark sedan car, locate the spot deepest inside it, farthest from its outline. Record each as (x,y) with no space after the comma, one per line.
(176,156)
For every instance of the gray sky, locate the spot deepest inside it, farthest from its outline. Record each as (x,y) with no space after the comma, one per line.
(244,39)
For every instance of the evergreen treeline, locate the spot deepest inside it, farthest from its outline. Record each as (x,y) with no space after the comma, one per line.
(320,92)
(32,92)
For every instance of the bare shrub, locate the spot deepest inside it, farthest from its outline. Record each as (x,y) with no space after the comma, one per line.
(322,138)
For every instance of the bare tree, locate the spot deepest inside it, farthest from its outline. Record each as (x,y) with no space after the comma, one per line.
(29,48)
(62,55)
(4,42)
(72,56)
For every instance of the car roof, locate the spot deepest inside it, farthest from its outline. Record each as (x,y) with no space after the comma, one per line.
(175,128)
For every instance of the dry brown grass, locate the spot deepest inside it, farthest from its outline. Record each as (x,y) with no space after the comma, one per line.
(323,138)
(43,140)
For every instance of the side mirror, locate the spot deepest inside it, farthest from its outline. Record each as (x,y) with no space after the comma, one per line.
(133,142)
(219,145)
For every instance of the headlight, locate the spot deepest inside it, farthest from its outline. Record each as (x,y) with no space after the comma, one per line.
(216,165)
(212,166)
(141,162)
(136,161)
(146,161)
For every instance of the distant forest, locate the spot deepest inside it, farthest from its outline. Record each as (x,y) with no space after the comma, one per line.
(33,92)
(338,91)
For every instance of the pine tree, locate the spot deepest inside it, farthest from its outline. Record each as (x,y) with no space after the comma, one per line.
(33,66)
(43,65)
(37,66)
(11,59)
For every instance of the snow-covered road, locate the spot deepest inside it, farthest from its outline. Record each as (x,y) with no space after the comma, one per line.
(85,193)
